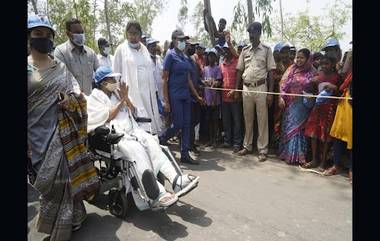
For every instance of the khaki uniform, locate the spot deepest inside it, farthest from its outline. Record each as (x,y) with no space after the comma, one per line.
(255,65)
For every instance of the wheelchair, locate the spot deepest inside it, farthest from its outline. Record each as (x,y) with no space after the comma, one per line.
(115,173)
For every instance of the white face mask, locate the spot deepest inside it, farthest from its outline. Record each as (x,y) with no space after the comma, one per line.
(79,39)
(181,45)
(107,50)
(134,45)
(112,87)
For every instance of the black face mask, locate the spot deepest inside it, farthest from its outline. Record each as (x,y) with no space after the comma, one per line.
(42,45)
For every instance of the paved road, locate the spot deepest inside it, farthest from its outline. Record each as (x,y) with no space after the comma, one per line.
(237,199)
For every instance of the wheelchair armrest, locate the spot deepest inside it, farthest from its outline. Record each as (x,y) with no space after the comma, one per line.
(143,120)
(114,138)
(101,130)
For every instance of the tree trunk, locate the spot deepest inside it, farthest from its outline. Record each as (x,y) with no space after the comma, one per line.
(108,24)
(34,3)
(94,21)
(75,8)
(209,21)
(282,22)
(250,12)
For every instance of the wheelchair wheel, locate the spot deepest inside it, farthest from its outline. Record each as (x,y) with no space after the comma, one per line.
(119,203)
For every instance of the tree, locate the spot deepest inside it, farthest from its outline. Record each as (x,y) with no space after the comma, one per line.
(182,14)
(337,15)
(113,20)
(311,32)
(144,11)
(243,16)
(239,23)
(197,19)
(34,4)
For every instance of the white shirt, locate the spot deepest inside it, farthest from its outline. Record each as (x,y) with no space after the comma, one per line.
(105,61)
(157,74)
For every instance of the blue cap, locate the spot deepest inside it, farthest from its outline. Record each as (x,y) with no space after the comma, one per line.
(330,43)
(211,50)
(103,72)
(151,41)
(278,46)
(40,20)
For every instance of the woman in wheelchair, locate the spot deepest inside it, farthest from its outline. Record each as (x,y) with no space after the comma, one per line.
(109,105)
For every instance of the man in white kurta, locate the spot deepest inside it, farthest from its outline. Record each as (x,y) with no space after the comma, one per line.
(135,66)
(137,144)
(157,66)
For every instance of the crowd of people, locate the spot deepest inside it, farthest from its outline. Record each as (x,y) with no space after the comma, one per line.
(200,96)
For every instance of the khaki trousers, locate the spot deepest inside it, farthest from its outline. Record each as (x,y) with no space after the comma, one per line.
(252,101)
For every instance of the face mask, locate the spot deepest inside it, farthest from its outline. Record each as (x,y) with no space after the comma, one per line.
(79,39)
(106,50)
(112,87)
(134,46)
(181,45)
(42,45)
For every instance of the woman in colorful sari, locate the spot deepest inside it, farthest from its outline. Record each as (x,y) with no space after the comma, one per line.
(293,143)
(57,128)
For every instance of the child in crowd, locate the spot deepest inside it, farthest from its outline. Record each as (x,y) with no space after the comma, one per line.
(212,77)
(322,115)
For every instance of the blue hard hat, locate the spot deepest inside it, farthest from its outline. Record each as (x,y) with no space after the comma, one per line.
(278,46)
(330,43)
(103,72)
(285,45)
(151,41)
(39,21)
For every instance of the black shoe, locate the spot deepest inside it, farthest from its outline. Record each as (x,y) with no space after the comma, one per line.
(236,149)
(195,151)
(189,160)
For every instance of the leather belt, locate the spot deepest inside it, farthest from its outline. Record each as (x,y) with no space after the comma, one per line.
(255,84)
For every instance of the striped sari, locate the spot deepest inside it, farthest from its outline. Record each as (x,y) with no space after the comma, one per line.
(65,174)
(293,143)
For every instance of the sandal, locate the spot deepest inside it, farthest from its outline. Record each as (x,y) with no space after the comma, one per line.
(312,164)
(262,157)
(331,171)
(321,169)
(182,185)
(167,200)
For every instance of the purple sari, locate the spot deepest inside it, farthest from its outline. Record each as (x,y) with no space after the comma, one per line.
(293,143)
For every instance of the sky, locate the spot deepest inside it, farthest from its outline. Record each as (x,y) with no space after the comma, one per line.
(165,23)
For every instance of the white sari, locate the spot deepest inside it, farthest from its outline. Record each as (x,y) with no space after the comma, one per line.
(137,144)
(135,67)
